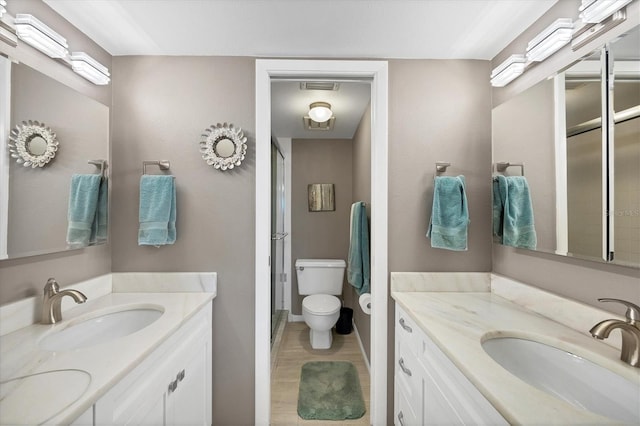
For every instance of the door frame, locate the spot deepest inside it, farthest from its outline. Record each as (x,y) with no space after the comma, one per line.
(377,73)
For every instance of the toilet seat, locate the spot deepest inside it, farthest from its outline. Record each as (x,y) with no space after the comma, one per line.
(321,304)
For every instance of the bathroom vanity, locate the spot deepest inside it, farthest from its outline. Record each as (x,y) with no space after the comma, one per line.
(446,371)
(138,352)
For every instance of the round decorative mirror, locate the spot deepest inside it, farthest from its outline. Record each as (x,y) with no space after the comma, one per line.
(32,144)
(223,146)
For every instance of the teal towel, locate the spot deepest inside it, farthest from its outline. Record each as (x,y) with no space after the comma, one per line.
(99,227)
(157,210)
(515,227)
(449,222)
(358,268)
(83,202)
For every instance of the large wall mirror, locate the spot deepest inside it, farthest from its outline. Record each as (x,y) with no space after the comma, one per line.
(583,171)
(38,197)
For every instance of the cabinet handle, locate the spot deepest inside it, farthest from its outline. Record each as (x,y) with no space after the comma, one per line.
(404,369)
(180,376)
(405,326)
(401,418)
(173,386)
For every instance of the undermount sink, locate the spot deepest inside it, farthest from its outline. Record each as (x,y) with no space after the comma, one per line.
(569,377)
(100,328)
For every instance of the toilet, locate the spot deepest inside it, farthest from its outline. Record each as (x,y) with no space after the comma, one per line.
(320,280)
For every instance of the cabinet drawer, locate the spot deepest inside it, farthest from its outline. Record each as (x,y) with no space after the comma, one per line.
(405,414)
(407,333)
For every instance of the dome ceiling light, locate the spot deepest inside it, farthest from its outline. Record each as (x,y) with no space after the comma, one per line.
(320,112)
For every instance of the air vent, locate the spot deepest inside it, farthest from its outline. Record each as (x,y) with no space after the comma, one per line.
(319,85)
(309,124)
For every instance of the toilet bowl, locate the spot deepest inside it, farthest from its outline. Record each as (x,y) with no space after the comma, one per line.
(320,280)
(321,313)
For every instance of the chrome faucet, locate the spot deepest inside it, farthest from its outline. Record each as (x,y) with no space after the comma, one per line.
(630,330)
(51,303)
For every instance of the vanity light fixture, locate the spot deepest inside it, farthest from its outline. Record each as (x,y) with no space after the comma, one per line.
(89,68)
(588,32)
(34,32)
(320,111)
(550,40)
(596,11)
(509,70)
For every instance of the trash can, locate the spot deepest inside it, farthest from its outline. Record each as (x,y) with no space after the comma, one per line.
(343,326)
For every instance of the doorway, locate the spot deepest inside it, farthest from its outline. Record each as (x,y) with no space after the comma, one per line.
(376,72)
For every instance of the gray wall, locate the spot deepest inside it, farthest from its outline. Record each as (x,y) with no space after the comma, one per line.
(580,280)
(439,110)
(361,172)
(161,106)
(25,277)
(319,235)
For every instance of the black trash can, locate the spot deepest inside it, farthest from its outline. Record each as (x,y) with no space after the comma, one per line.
(343,326)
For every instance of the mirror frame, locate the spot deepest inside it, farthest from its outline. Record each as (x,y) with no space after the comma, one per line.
(21,136)
(213,136)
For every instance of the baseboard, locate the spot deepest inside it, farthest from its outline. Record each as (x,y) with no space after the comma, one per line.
(295,318)
(364,353)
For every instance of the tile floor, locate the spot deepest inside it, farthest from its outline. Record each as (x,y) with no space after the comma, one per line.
(294,351)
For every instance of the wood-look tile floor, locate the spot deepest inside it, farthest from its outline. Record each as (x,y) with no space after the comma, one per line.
(294,351)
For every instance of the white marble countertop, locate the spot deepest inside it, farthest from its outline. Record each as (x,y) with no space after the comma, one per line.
(50,398)
(458,322)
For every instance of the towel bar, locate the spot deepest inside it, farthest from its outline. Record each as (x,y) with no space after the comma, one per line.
(502,166)
(441,166)
(102,164)
(162,164)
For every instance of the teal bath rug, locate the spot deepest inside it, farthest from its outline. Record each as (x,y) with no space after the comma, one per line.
(330,390)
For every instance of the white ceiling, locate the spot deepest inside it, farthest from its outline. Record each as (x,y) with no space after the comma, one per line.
(415,29)
(427,29)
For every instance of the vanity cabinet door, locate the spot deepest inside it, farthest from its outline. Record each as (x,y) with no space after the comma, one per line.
(188,403)
(172,386)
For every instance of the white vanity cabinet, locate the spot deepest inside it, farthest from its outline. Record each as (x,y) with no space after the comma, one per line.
(172,386)
(429,389)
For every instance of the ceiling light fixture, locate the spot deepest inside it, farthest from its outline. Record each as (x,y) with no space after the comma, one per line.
(596,11)
(32,31)
(509,70)
(320,111)
(89,68)
(550,40)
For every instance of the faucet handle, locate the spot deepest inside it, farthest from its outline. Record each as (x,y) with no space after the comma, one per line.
(51,286)
(633,310)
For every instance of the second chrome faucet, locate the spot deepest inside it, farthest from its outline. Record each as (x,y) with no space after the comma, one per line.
(52,301)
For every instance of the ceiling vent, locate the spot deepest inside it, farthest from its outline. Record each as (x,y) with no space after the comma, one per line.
(309,124)
(319,85)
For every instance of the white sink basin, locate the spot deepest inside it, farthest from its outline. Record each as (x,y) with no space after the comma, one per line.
(569,377)
(100,328)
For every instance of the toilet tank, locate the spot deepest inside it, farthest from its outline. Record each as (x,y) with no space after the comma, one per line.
(320,276)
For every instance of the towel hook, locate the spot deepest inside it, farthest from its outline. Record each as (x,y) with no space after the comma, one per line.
(441,166)
(101,164)
(501,166)
(162,164)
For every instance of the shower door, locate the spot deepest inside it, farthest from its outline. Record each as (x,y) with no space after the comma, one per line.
(278,234)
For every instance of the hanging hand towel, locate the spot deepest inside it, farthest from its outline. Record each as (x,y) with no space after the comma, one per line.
(358,263)
(518,228)
(449,214)
(157,210)
(497,209)
(83,201)
(99,227)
